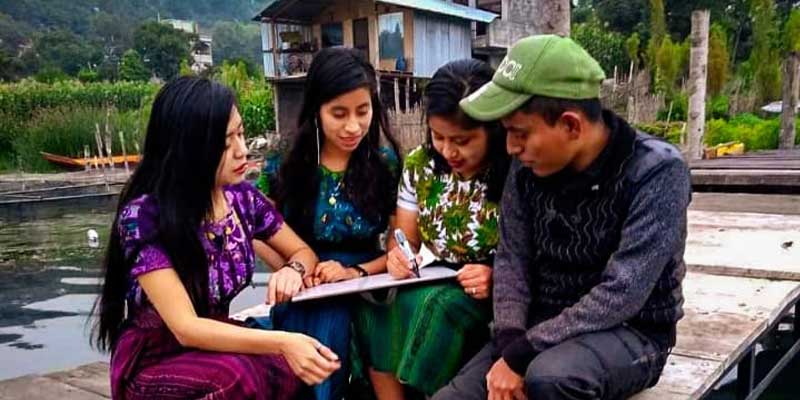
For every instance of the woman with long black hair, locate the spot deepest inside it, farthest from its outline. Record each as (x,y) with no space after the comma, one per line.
(181,249)
(448,201)
(337,187)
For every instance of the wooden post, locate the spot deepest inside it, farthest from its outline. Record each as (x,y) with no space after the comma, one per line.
(396,97)
(408,89)
(698,70)
(791,86)
(550,16)
(275,42)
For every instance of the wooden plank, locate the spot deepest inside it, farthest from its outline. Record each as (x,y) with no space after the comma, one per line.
(746,202)
(760,298)
(683,378)
(743,244)
(721,336)
(90,377)
(723,317)
(40,387)
(747,163)
(746,177)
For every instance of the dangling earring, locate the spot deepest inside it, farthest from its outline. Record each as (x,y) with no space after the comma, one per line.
(316,133)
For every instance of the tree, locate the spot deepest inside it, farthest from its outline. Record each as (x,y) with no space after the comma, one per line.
(658,31)
(607,47)
(670,60)
(697,83)
(718,59)
(632,48)
(132,68)
(791,80)
(764,56)
(236,41)
(64,50)
(162,48)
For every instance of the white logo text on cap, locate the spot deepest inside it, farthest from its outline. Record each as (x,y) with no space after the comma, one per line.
(509,68)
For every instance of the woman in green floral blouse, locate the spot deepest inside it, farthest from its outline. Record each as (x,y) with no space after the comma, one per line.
(447,200)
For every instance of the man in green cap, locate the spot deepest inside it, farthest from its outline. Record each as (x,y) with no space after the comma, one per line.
(587,275)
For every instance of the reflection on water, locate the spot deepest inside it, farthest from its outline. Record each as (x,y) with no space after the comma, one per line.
(48,283)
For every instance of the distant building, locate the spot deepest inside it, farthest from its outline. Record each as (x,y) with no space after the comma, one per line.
(201,49)
(405,40)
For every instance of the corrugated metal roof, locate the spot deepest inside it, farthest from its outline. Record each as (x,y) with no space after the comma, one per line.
(442,7)
(292,10)
(307,9)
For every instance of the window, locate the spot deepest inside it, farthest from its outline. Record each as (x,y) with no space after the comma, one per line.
(361,36)
(332,35)
(390,39)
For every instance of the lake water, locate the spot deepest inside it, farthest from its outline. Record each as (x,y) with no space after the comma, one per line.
(48,284)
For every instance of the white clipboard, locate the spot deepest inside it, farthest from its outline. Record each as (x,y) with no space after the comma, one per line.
(379,281)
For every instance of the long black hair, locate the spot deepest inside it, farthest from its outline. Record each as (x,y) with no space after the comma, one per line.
(369,182)
(183,147)
(451,83)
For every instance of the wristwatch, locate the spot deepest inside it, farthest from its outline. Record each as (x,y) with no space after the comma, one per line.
(361,271)
(295,265)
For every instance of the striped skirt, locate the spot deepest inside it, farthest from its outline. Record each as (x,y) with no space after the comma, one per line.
(424,336)
(149,363)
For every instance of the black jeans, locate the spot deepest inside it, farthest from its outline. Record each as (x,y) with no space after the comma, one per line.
(612,364)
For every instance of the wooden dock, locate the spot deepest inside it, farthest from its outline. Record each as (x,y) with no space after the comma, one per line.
(743,282)
(776,171)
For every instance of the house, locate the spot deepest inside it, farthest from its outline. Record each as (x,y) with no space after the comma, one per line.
(201,49)
(406,40)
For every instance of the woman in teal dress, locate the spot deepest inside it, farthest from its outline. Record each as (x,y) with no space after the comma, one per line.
(337,188)
(447,201)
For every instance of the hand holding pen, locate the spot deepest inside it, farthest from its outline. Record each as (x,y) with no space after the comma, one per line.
(401,262)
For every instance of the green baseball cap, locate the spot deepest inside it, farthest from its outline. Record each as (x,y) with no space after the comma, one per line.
(542,65)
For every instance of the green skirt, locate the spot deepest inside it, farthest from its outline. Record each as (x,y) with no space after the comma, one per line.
(424,336)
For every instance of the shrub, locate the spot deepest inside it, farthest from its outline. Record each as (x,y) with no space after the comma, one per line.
(756,133)
(65,131)
(258,113)
(671,132)
(717,107)
(22,100)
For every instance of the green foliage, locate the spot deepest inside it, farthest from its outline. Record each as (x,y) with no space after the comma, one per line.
(671,132)
(718,59)
(680,108)
(104,29)
(670,60)
(162,48)
(254,95)
(256,108)
(21,100)
(185,69)
(65,50)
(132,68)
(658,31)
(622,15)
(10,127)
(235,76)
(87,75)
(717,107)
(791,32)
(764,56)
(607,47)
(50,74)
(756,133)
(66,130)
(632,48)
(237,41)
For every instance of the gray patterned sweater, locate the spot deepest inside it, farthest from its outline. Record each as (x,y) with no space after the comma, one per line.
(589,251)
